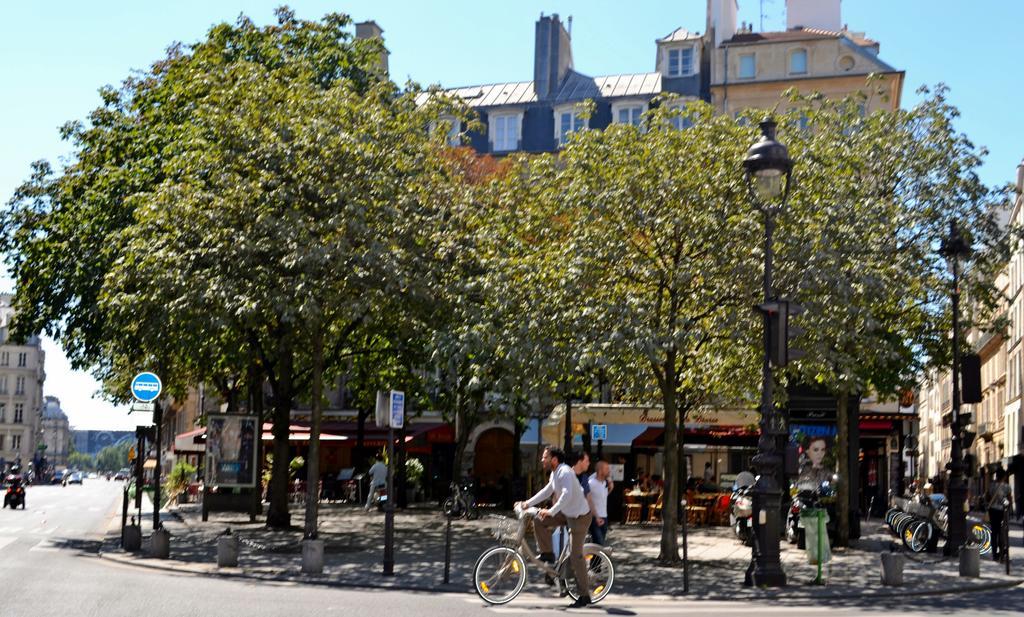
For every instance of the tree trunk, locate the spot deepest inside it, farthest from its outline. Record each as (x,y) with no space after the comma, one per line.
(255,378)
(277,515)
(313,457)
(359,455)
(669,554)
(843,448)
(461,438)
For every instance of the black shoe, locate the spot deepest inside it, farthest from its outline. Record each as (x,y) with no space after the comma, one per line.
(549,580)
(581,602)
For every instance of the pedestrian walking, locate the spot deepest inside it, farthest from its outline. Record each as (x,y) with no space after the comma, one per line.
(378,480)
(600,485)
(997,512)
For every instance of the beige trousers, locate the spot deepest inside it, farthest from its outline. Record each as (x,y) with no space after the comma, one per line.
(578,527)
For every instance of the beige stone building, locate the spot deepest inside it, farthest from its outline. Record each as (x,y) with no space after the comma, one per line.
(816,53)
(21,392)
(56,433)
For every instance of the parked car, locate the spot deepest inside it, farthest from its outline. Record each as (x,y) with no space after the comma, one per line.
(58,476)
(75,477)
(121,475)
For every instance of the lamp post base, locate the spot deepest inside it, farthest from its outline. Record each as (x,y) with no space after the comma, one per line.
(765,568)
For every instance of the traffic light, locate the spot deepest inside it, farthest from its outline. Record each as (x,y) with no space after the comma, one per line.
(780,330)
(967,438)
(970,378)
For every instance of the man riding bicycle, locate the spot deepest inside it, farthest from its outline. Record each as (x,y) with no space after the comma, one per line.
(571,509)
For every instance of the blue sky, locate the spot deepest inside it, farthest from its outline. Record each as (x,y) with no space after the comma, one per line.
(55,55)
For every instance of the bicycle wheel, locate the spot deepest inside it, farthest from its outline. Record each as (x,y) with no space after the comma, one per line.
(917,535)
(499,575)
(600,575)
(452,508)
(980,536)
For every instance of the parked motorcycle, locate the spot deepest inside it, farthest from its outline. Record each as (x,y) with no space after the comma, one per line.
(14,496)
(741,511)
(461,503)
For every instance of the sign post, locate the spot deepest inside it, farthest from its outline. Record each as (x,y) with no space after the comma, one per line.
(146,388)
(390,412)
(599,433)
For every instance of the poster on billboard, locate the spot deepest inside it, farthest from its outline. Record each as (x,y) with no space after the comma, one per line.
(231,446)
(816,452)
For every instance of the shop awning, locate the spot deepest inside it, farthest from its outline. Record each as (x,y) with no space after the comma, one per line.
(190,442)
(619,435)
(149,464)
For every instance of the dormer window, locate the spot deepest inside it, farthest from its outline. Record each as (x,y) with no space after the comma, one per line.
(505,129)
(798,62)
(454,126)
(567,121)
(628,112)
(681,61)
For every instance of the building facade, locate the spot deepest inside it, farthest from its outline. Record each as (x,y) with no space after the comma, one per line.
(21,392)
(815,53)
(56,433)
(730,66)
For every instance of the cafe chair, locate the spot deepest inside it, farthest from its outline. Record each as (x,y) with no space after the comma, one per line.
(632,505)
(654,512)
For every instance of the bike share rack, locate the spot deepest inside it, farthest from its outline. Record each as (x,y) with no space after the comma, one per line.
(921,525)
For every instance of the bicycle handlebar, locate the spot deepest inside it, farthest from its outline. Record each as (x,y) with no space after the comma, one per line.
(531,512)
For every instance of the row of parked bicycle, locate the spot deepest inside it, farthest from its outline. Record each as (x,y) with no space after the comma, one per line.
(918,524)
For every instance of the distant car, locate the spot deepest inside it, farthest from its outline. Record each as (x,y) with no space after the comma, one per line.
(58,476)
(121,475)
(75,478)
(93,475)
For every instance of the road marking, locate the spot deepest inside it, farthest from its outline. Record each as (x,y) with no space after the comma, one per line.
(45,546)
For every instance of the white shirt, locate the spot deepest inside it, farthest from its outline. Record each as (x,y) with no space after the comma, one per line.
(379,473)
(599,495)
(568,494)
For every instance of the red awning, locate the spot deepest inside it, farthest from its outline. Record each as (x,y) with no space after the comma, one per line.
(190,442)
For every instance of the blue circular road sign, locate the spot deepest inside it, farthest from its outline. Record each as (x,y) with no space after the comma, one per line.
(146,387)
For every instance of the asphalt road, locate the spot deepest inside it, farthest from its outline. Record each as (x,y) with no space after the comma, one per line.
(49,566)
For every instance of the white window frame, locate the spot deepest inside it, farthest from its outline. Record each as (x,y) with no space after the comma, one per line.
(22,359)
(632,104)
(680,72)
(577,122)
(19,385)
(3,415)
(678,105)
(792,54)
(16,442)
(2,440)
(19,413)
(3,384)
(454,136)
(492,129)
(5,358)
(739,67)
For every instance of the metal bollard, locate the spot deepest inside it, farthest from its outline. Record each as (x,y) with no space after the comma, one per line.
(133,537)
(892,569)
(447,549)
(227,550)
(312,556)
(124,514)
(160,544)
(970,561)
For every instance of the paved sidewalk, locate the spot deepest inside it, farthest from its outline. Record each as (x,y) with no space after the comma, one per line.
(354,552)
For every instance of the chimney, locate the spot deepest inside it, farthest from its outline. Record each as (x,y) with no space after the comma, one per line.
(552,56)
(722,20)
(821,14)
(370,30)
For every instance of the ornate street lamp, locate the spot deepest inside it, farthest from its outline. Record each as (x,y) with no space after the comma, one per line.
(769,170)
(954,248)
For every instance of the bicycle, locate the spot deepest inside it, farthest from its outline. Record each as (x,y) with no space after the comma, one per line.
(461,503)
(500,572)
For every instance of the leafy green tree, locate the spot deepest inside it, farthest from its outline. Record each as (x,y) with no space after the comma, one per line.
(81,460)
(643,239)
(858,246)
(113,458)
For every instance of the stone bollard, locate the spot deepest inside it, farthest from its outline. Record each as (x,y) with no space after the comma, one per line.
(970,562)
(227,551)
(313,556)
(892,569)
(160,544)
(132,538)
